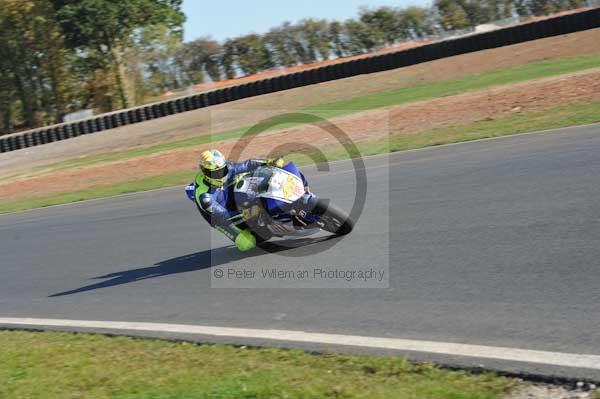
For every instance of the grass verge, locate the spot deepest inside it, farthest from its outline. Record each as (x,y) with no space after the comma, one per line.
(426,91)
(552,118)
(397,96)
(101,191)
(63,365)
(578,114)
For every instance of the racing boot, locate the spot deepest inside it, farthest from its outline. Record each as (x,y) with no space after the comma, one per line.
(245,240)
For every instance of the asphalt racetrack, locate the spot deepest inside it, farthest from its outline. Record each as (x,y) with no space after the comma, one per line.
(493,243)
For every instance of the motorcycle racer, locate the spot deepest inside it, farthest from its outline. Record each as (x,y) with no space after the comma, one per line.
(212,193)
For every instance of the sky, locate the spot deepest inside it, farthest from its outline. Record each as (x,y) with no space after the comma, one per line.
(225,19)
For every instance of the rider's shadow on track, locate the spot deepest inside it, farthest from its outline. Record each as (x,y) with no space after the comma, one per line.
(189,263)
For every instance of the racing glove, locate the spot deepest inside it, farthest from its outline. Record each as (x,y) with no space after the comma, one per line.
(278,162)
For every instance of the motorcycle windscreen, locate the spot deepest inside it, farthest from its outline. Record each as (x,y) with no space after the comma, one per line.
(284,186)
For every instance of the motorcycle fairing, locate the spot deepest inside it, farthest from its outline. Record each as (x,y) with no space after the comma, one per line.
(283,186)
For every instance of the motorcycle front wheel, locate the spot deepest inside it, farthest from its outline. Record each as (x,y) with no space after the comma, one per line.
(331,218)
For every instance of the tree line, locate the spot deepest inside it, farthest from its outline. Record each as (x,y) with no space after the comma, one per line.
(60,56)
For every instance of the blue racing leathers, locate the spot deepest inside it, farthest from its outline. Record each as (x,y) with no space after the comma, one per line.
(216,204)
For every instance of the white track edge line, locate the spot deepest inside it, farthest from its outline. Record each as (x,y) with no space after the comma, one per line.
(586,361)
